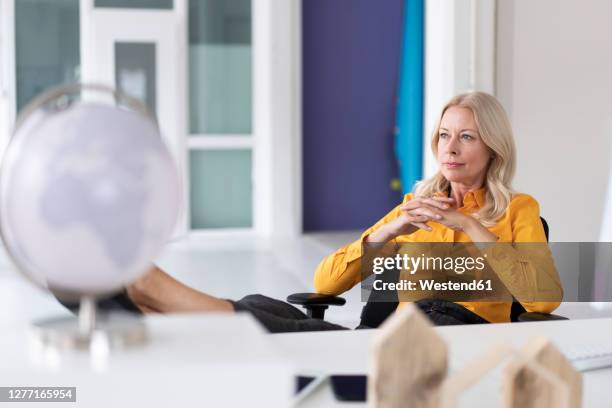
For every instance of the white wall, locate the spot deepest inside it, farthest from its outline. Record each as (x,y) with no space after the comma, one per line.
(459,57)
(554,76)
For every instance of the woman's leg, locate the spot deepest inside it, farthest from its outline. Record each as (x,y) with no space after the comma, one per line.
(157,291)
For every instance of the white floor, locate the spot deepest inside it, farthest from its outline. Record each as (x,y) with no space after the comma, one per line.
(275,268)
(231,269)
(225,268)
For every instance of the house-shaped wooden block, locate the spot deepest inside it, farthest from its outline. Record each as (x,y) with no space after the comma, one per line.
(526,382)
(525,387)
(409,361)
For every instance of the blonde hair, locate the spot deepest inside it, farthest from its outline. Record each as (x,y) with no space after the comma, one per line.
(495,131)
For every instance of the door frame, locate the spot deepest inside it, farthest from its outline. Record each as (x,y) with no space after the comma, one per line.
(8,79)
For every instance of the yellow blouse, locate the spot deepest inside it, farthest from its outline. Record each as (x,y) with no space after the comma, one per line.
(529,276)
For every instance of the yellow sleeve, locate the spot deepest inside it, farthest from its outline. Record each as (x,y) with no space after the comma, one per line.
(527,270)
(340,271)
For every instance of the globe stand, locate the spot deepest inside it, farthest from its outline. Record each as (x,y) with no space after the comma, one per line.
(111,330)
(45,188)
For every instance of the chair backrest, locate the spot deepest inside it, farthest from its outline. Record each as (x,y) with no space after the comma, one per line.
(545,225)
(375,311)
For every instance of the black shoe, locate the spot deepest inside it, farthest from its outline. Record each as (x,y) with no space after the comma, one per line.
(120,302)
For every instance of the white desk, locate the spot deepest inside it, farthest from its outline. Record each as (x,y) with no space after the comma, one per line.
(346,353)
(189,360)
(228,361)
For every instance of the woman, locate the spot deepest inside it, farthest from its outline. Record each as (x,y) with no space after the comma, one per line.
(469,200)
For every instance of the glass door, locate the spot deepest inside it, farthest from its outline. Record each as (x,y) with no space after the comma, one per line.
(138,46)
(222,78)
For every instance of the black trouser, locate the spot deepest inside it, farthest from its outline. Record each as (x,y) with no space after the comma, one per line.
(274,315)
(280,317)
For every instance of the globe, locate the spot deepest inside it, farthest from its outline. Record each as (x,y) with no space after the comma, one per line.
(89,194)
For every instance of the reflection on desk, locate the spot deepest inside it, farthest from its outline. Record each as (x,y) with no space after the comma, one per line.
(347,353)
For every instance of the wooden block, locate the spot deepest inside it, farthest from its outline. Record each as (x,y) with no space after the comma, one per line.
(547,355)
(409,361)
(532,380)
(538,376)
(472,373)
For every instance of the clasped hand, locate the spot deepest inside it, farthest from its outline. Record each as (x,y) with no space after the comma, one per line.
(418,212)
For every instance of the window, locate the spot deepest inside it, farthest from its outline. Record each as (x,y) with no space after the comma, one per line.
(135,72)
(231,164)
(46,46)
(220,114)
(135,4)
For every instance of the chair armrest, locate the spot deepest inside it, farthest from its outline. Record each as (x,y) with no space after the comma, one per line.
(539,317)
(315,303)
(315,299)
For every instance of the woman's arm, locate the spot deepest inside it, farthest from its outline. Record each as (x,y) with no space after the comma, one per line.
(526,267)
(341,270)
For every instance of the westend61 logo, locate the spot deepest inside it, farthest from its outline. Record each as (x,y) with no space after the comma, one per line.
(412,264)
(452,268)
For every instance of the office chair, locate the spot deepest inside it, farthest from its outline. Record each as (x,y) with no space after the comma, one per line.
(375,312)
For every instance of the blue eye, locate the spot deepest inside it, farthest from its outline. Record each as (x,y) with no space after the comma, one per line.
(443,135)
(467,137)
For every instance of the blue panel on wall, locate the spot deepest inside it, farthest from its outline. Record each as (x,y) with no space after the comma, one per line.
(351,60)
(409,141)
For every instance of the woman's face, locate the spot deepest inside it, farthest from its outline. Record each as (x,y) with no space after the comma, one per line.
(462,155)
